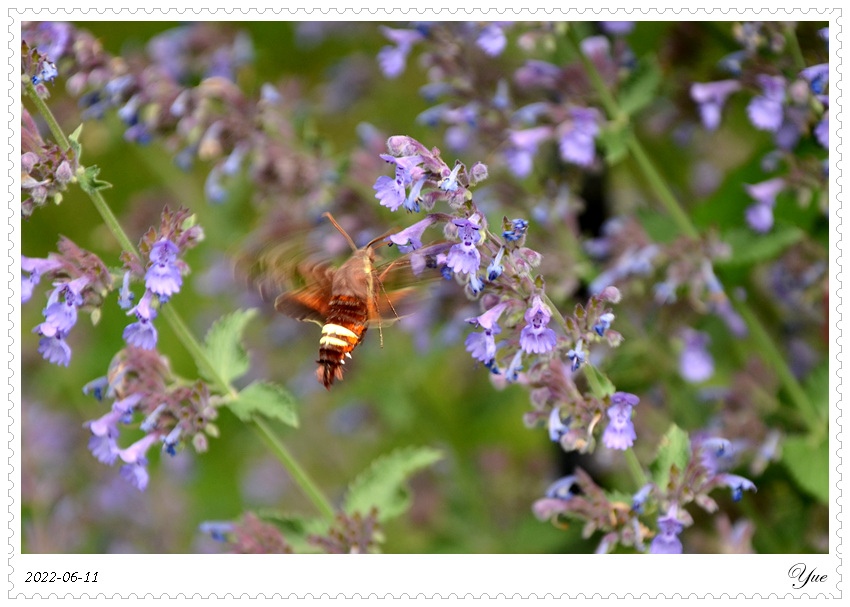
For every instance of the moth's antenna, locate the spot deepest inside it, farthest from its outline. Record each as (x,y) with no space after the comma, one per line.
(341,231)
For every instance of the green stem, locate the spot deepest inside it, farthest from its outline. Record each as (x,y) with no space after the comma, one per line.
(771,353)
(298,473)
(635,469)
(179,326)
(794,45)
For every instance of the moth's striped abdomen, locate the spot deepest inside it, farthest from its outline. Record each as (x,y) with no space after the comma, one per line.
(344,329)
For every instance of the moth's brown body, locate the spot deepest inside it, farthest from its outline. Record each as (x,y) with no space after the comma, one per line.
(343,301)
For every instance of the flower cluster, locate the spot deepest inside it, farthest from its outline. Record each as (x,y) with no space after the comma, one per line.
(80,281)
(46,169)
(792,105)
(143,390)
(162,273)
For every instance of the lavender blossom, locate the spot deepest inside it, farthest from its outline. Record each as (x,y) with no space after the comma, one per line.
(760,215)
(536,337)
(464,257)
(410,238)
(393,59)
(766,110)
(519,156)
(667,541)
(695,361)
(620,433)
(711,97)
(492,39)
(576,141)
(163,276)
(142,333)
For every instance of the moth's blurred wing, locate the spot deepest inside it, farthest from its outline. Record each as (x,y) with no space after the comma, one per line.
(309,303)
(398,290)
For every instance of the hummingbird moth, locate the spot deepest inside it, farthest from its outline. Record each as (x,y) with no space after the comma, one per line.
(343,300)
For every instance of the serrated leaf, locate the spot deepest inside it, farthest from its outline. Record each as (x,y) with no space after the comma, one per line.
(382,485)
(224,348)
(749,248)
(89,181)
(295,528)
(674,449)
(641,88)
(265,399)
(808,464)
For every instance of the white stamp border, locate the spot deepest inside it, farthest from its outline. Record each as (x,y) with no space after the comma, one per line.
(428,576)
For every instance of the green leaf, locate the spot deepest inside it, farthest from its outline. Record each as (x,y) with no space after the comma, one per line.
(89,181)
(808,464)
(660,227)
(749,248)
(641,88)
(674,450)
(266,399)
(613,139)
(223,348)
(382,485)
(295,528)
(75,142)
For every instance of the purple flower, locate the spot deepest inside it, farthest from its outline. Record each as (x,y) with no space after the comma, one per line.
(556,426)
(640,497)
(523,146)
(604,323)
(620,433)
(393,59)
(492,40)
(760,215)
(695,361)
(406,167)
(106,425)
(125,295)
(821,131)
(449,184)
(482,346)
(490,318)
(617,28)
(103,448)
(218,530)
(142,333)
(135,472)
(163,276)
(464,256)
(413,198)
(560,489)
(536,337)
(35,268)
(667,541)
(410,239)
(817,76)
(518,229)
(765,111)
(495,269)
(738,484)
(577,355)
(576,142)
(55,350)
(710,97)
(512,372)
(390,192)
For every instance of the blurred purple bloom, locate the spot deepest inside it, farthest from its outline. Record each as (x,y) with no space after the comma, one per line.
(766,110)
(576,142)
(617,28)
(34,267)
(218,530)
(106,425)
(537,73)
(667,541)
(393,59)
(163,277)
(136,474)
(817,77)
(495,269)
(490,318)
(821,131)
(577,355)
(464,257)
(492,40)
(561,488)
(695,361)
(517,231)
(604,323)
(738,484)
(482,346)
(556,426)
(640,497)
(103,448)
(523,146)
(536,337)
(620,433)
(512,372)
(760,215)
(710,97)
(125,295)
